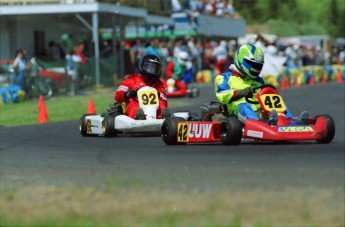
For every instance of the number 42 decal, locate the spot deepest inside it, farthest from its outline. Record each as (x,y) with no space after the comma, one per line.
(182,132)
(273,101)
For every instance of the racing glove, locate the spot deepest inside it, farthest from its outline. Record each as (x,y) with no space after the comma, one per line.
(130,94)
(241,93)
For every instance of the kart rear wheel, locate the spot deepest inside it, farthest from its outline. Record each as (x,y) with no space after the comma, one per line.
(330,129)
(83,125)
(169,130)
(231,131)
(108,126)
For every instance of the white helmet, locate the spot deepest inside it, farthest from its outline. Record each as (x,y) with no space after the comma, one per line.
(182,58)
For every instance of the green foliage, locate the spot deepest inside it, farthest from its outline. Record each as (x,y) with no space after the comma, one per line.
(296,17)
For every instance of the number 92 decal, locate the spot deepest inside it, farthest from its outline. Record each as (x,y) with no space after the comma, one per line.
(148,98)
(273,101)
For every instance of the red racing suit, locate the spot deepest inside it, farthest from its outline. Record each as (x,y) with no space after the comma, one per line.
(134,82)
(176,71)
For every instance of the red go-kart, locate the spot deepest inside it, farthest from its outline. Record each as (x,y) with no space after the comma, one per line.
(217,126)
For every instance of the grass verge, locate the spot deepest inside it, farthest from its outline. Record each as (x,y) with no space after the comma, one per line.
(60,108)
(91,206)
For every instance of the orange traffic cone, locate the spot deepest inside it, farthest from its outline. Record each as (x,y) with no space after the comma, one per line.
(91,108)
(287,83)
(297,81)
(339,78)
(282,84)
(42,111)
(311,81)
(323,79)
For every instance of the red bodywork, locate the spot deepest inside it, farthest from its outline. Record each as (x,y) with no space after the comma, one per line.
(58,78)
(262,131)
(201,131)
(254,129)
(177,93)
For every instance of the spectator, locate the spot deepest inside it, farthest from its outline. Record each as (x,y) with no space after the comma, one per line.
(21,70)
(195,54)
(72,63)
(153,47)
(220,8)
(55,51)
(220,55)
(210,7)
(229,9)
(260,42)
(138,52)
(187,8)
(341,57)
(271,49)
(291,56)
(82,69)
(175,6)
(177,48)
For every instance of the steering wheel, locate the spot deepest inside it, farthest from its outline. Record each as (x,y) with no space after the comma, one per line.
(247,98)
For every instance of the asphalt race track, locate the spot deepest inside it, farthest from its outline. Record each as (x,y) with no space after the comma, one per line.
(56,154)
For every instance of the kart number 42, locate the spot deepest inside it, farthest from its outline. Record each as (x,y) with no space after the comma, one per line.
(273,101)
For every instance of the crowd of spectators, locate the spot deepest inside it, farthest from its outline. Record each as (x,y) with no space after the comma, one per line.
(209,7)
(201,55)
(301,54)
(218,55)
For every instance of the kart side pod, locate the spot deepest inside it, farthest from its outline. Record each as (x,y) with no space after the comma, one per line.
(177,131)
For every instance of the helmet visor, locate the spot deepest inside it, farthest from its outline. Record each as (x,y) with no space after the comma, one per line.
(255,65)
(152,67)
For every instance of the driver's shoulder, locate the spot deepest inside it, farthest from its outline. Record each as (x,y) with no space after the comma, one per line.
(260,80)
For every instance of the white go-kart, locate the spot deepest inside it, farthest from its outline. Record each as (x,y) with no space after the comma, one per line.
(116,122)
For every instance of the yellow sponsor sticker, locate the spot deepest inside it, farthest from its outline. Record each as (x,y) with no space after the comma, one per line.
(273,102)
(182,132)
(88,126)
(148,98)
(296,129)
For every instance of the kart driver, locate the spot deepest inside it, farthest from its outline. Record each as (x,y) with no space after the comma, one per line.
(232,87)
(176,70)
(150,69)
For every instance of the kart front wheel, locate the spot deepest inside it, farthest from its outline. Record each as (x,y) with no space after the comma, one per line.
(108,126)
(231,131)
(329,130)
(83,125)
(169,130)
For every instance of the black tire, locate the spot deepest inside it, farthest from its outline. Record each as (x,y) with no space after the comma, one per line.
(231,131)
(330,129)
(169,130)
(194,92)
(108,126)
(83,126)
